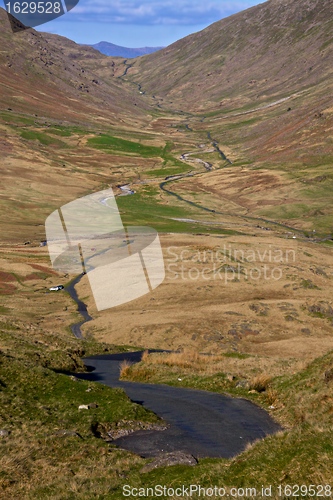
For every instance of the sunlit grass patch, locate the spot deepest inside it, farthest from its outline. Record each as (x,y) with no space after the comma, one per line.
(63,132)
(109,143)
(14,118)
(43,138)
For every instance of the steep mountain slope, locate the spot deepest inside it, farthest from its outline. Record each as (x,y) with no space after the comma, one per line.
(55,96)
(261,84)
(272,49)
(52,75)
(110,49)
(72,123)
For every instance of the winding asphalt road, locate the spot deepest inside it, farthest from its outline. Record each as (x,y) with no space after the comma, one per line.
(81,307)
(204,424)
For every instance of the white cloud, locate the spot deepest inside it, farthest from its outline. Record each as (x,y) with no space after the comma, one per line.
(164,12)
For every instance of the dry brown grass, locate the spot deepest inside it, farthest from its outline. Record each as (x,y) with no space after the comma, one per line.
(265,317)
(188,358)
(271,396)
(66,467)
(259,369)
(260,382)
(125,367)
(145,356)
(141,372)
(271,321)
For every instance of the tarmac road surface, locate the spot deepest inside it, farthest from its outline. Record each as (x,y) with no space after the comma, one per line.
(204,424)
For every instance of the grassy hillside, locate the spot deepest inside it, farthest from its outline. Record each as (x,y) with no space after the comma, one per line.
(261,82)
(38,70)
(302,454)
(228,149)
(53,452)
(268,51)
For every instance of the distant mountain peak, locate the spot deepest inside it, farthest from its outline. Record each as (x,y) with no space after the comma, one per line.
(110,49)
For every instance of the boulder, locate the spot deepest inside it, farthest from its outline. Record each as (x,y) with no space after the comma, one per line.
(243,384)
(169,459)
(66,433)
(90,406)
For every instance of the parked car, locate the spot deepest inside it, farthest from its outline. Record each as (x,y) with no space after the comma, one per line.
(56,288)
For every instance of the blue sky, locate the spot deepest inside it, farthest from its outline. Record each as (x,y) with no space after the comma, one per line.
(139,23)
